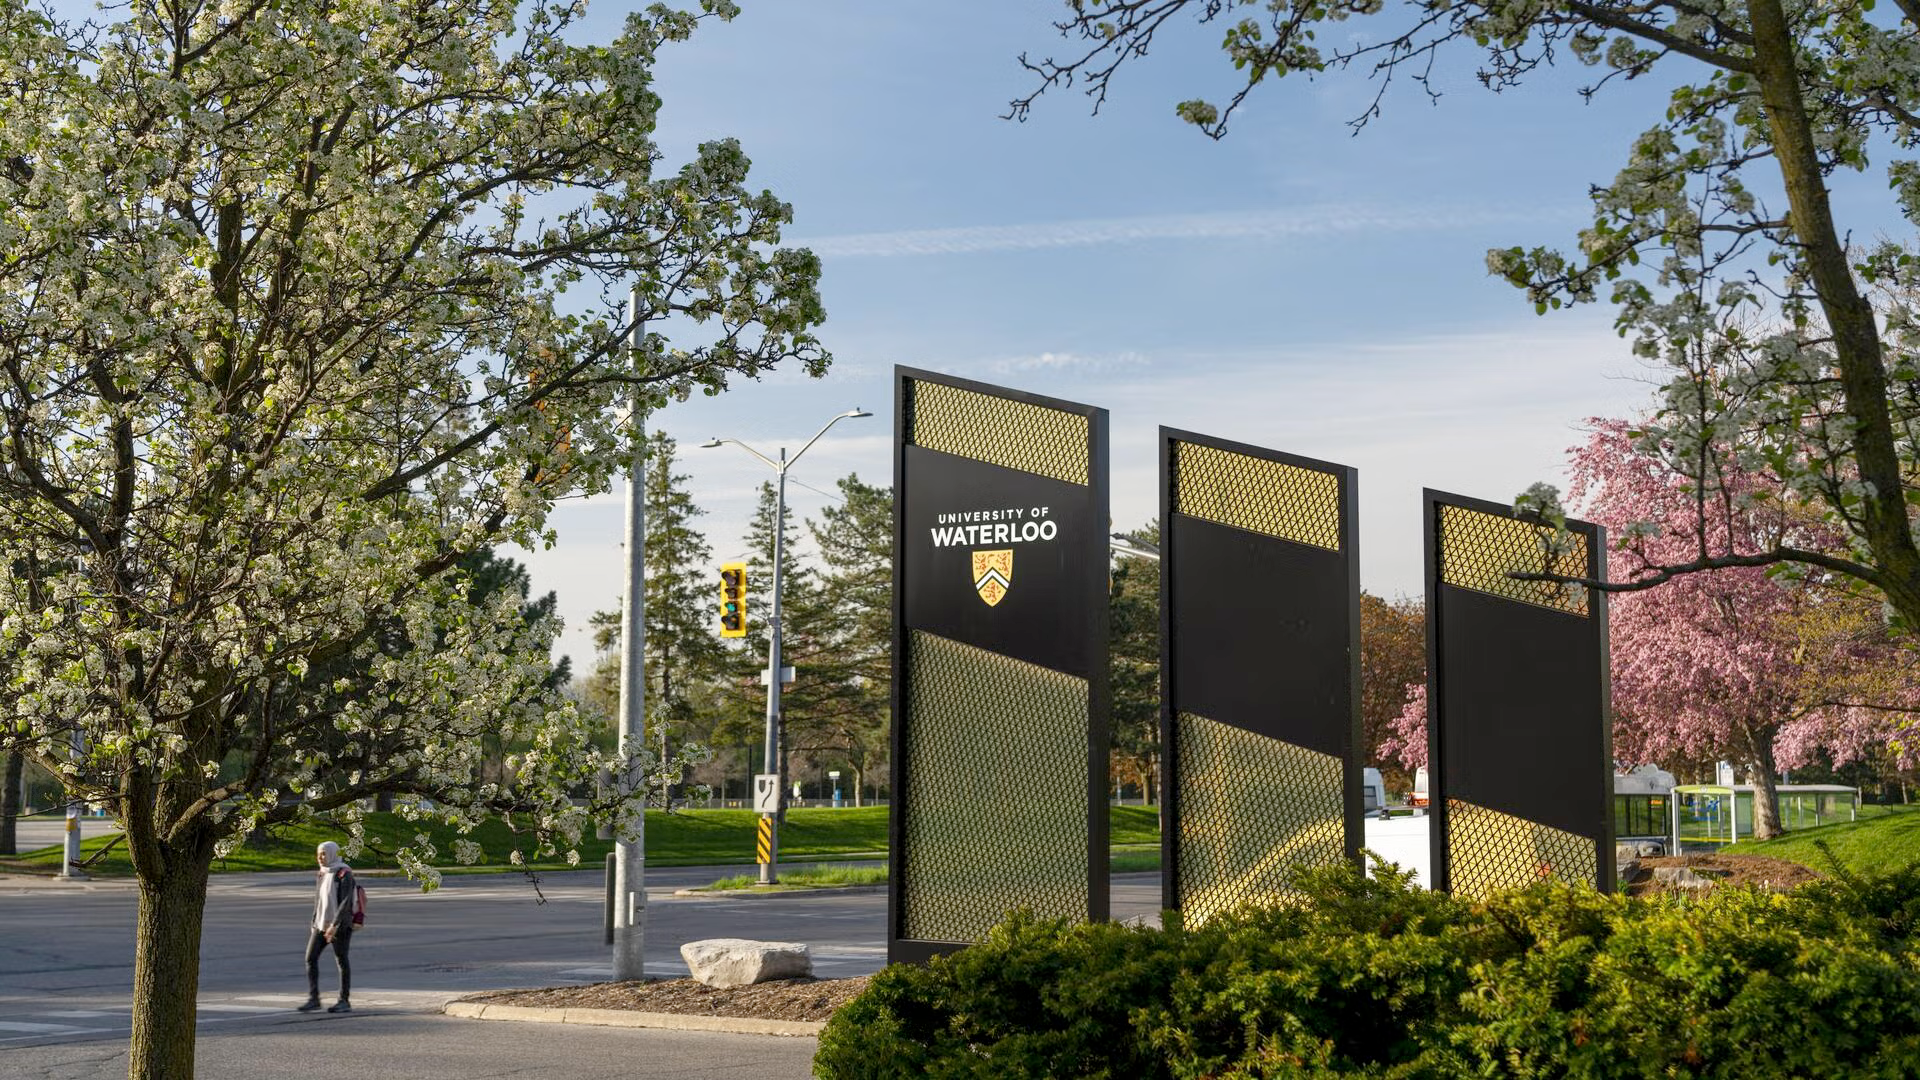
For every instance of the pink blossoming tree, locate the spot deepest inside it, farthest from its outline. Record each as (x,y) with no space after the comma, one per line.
(1762,669)
(1768,670)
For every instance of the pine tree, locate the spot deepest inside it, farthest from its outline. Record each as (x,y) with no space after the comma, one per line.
(682,651)
(856,546)
(807,635)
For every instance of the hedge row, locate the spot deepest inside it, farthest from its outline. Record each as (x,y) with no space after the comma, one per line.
(1376,978)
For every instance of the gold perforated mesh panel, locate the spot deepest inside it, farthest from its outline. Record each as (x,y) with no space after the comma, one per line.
(1488,851)
(1292,503)
(996,812)
(1252,809)
(998,431)
(1479,550)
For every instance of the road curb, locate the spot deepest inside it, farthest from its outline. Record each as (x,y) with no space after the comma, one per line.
(13,880)
(800,890)
(736,1025)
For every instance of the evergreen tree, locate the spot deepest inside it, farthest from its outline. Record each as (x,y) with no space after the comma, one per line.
(852,718)
(682,651)
(807,638)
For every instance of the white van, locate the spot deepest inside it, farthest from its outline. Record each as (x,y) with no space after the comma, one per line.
(1373,793)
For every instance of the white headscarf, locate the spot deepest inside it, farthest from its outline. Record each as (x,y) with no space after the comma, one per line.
(332,852)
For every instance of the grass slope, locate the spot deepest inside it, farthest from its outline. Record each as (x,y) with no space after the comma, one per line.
(1885,838)
(684,838)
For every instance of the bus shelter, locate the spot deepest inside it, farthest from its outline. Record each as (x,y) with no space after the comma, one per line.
(1723,813)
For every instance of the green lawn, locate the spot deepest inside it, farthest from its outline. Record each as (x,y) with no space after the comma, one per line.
(684,838)
(1885,838)
(807,877)
(1134,858)
(1134,825)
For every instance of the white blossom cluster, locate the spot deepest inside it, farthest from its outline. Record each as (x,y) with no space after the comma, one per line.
(301,305)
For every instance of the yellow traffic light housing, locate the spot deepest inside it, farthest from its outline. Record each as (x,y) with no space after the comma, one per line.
(733,600)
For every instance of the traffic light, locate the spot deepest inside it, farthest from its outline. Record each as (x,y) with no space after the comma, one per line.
(733,599)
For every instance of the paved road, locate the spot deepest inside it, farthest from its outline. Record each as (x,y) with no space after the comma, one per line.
(47,830)
(66,973)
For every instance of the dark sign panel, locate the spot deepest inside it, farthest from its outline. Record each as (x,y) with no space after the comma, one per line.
(996,558)
(1000,661)
(1519,754)
(1260,668)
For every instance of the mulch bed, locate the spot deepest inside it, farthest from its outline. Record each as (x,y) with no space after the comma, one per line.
(1754,870)
(779,999)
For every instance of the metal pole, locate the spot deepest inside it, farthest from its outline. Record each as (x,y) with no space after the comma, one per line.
(70,859)
(630,863)
(768,874)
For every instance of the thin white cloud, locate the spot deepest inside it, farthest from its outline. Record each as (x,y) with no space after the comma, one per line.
(1481,413)
(1322,220)
(1067,362)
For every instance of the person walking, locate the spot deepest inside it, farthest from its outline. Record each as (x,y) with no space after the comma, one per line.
(333,892)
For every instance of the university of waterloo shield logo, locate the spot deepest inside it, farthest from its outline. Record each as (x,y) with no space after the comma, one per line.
(993,574)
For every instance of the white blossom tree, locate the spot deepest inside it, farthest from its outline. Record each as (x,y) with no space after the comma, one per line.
(301,302)
(1793,351)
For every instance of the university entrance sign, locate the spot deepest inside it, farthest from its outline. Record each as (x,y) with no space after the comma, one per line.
(1519,730)
(1000,661)
(1259,671)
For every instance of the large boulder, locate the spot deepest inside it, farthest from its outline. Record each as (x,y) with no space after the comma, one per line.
(1638,849)
(727,962)
(1682,877)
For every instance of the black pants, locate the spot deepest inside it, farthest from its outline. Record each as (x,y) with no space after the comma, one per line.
(316,942)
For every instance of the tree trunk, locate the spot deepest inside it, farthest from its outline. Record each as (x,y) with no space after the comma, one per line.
(1766,805)
(10,799)
(166,964)
(859,786)
(1766,796)
(1883,513)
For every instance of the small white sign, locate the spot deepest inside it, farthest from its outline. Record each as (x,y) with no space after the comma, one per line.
(766,793)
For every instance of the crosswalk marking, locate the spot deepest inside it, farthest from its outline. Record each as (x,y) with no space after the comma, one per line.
(39,1029)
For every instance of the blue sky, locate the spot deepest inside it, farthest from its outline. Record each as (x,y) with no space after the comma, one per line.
(1293,286)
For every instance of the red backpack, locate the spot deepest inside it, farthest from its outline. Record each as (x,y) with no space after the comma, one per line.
(359,899)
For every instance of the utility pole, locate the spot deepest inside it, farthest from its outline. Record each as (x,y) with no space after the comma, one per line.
(70,852)
(630,858)
(70,857)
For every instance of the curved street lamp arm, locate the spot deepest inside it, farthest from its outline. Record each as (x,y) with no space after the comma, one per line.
(851,413)
(771,464)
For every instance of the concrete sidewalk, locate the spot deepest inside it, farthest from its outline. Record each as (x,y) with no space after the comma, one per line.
(402,1045)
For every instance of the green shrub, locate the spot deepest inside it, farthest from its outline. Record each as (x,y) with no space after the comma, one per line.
(1376,978)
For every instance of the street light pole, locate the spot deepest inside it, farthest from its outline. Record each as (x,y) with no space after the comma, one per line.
(771,763)
(771,759)
(630,860)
